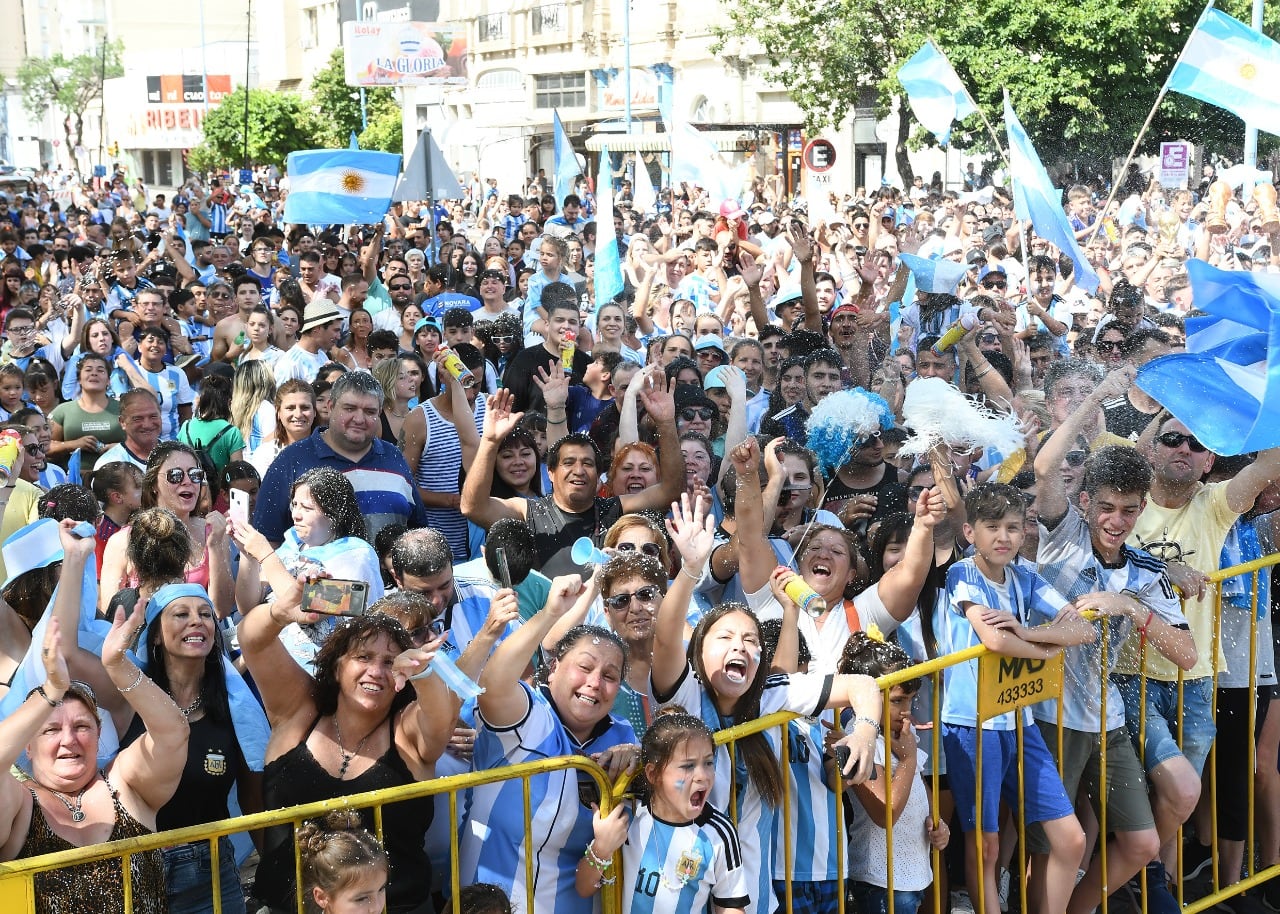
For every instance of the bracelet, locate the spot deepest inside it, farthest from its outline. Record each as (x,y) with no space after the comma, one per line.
(867,720)
(45,695)
(695,578)
(604,881)
(136,682)
(1146,625)
(979,375)
(593,861)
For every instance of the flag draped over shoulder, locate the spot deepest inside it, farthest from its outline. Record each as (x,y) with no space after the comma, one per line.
(1232,66)
(1037,200)
(608,278)
(937,96)
(340,186)
(1226,387)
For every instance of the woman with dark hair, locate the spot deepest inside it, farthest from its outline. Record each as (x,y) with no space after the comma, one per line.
(175,480)
(466,277)
(259,345)
(98,336)
(354,726)
(90,423)
(327,537)
(183,653)
(517,473)
(210,429)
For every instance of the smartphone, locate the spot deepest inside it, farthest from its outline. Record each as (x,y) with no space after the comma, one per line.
(239,506)
(333,597)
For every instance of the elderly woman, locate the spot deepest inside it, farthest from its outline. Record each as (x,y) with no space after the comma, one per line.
(68,803)
(351,728)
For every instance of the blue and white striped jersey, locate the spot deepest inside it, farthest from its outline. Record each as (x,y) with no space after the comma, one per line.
(681,867)
(493,831)
(811,832)
(1068,563)
(1024,594)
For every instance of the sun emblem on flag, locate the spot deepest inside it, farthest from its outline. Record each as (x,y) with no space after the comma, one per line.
(352,182)
(1248,70)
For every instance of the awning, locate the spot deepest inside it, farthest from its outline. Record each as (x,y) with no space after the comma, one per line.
(725,140)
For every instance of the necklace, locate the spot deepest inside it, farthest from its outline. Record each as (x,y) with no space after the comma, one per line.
(348,756)
(400,415)
(191,708)
(77,814)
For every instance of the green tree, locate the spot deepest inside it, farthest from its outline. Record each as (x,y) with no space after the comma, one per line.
(69,85)
(279,123)
(1082,76)
(337,107)
(386,128)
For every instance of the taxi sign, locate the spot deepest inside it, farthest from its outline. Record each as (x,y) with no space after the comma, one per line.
(1008,683)
(819,155)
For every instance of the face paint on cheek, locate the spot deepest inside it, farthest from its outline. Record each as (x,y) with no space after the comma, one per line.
(680,784)
(755,656)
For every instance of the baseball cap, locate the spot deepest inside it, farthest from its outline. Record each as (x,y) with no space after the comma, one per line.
(731,210)
(717,377)
(987,271)
(766,218)
(975,257)
(708,341)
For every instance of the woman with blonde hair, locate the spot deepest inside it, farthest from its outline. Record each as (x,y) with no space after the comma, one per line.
(295,412)
(252,409)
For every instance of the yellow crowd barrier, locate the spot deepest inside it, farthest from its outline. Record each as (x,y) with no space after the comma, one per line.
(1003,684)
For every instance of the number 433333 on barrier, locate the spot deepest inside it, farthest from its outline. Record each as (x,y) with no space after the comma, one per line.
(1008,683)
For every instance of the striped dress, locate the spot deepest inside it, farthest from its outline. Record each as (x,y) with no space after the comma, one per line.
(440,470)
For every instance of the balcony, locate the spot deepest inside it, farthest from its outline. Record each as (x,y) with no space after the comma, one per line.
(550,19)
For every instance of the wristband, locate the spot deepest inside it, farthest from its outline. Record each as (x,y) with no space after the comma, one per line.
(45,695)
(696,578)
(867,720)
(1142,632)
(593,861)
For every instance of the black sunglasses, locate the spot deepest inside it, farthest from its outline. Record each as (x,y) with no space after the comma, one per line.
(649,549)
(620,601)
(1177,439)
(1076,458)
(689,413)
(995,284)
(174,476)
(399,288)
(1108,345)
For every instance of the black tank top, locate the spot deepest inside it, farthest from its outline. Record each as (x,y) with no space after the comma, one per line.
(213,764)
(556,530)
(296,777)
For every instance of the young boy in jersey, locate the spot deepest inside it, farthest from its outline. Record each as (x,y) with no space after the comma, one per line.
(1083,553)
(992,601)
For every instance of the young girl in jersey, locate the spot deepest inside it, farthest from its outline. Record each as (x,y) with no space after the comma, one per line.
(678,851)
(914,832)
(344,868)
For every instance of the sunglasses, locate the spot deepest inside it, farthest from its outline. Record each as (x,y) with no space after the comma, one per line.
(1076,458)
(988,338)
(1177,439)
(503,338)
(33,450)
(400,288)
(995,284)
(174,476)
(914,492)
(689,413)
(649,549)
(219,294)
(1107,345)
(620,601)
(862,225)
(424,633)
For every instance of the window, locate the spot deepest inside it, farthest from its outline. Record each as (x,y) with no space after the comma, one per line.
(560,90)
(493,26)
(549,19)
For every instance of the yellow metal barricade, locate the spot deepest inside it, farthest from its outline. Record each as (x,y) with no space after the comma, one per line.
(1004,684)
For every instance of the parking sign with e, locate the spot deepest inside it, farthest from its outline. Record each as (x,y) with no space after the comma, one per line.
(819,155)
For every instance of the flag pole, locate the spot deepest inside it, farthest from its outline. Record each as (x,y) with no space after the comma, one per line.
(995,137)
(1133,150)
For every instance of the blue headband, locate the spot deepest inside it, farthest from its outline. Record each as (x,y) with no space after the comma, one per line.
(170,592)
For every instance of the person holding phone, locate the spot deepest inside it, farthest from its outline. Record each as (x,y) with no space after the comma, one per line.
(327,538)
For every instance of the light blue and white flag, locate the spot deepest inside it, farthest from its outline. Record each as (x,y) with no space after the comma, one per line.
(1037,200)
(938,98)
(933,275)
(567,169)
(608,278)
(1226,388)
(340,186)
(644,199)
(1232,66)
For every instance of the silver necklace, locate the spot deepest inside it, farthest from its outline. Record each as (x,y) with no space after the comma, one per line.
(348,756)
(77,814)
(191,708)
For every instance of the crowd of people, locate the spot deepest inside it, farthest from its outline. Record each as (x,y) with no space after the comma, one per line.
(297,512)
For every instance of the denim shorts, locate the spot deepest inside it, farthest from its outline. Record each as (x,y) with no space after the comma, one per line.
(874,899)
(190,878)
(1198,727)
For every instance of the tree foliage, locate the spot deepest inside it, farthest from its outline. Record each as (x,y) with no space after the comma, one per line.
(1081,75)
(69,85)
(279,123)
(336,108)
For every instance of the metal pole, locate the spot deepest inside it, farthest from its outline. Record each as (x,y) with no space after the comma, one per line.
(204,62)
(364,108)
(248,27)
(1250,131)
(430,188)
(626,58)
(102,99)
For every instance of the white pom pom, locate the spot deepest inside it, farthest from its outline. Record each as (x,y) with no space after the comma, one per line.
(938,413)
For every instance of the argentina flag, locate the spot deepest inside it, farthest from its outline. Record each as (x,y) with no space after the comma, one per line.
(1226,388)
(1228,64)
(935,92)
(340,186)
